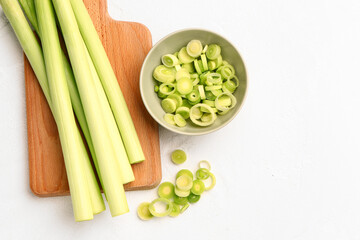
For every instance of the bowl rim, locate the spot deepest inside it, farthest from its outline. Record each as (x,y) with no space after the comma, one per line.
(179,131)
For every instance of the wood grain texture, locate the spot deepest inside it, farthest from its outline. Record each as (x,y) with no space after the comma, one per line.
(126,44)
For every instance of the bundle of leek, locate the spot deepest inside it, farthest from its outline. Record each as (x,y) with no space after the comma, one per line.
(89,87)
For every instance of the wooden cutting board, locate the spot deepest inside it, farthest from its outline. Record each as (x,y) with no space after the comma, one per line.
(126,44)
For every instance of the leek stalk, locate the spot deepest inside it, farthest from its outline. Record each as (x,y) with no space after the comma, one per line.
(63,113)
(107,163)
(34,54)
(109,82)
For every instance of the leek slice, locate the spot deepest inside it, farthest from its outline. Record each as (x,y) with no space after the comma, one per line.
(197,67)
(156,210)
(177,98)
(167,88)
(184,112)
(198,187)
(180,200)
(178,156)
(196,81)
(184,57)
(205,49)
(193,96)
(156,88)
(186,206)
(169,60)
(202,173)
(211,65)
(169,118)
(192,198)
(213,182)
(166,190)
(179,120)
(202,92)
(213,78)
(204,62)
(181,193)
(206,117)
(213,51)
(175,210)
(185,172)
(184,183)
(164,74)
(216,92)
(169,105)
(194,48)
(213,87)
(226,107)
(182,73)
(194,118)
(205,164)
(189,67)
(184,86)
(143,211)
(218,61)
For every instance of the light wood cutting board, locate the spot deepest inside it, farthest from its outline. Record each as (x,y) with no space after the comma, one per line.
(126,44)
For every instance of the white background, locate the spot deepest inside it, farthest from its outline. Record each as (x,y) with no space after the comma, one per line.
(288,166)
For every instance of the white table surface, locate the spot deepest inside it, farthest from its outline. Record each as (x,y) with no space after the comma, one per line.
(288,166)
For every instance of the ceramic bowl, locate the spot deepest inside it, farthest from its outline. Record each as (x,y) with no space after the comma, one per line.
(172,43)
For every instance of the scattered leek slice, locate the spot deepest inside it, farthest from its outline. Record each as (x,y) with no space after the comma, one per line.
(178,156)
(184,183)
(202,173)
(198,187)
(166,190)
(192,198)
(185,172)
(181,193)
(160,211)
(213,182)
(143,211)
(186,206)
(175,210)
(205,164)
(180,200)
(194,48)
(169,60)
